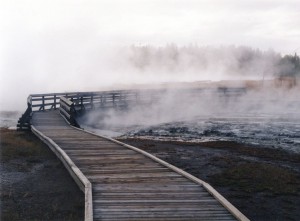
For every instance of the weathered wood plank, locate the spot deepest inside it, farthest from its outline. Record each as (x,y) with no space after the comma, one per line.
(126,184)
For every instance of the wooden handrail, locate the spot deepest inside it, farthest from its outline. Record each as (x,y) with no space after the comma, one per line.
(67,109)
(41,102)
(72,104)
(83,183)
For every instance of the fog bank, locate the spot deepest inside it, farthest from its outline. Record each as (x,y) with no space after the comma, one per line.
(59,67)
(75,45)
(183,105)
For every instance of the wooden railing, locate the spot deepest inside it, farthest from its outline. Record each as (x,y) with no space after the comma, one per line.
(73,104)
(42,102)
(39,102)
(82,100)
(24,121)
(67,109)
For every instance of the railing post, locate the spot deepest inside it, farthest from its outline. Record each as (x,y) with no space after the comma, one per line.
(55,102)
(67,108)
(43,103)
(136,98)
(29,101)
(92,101)
(24,121)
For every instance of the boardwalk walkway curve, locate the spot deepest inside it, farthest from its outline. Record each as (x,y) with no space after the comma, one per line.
(122,182)
(83,183)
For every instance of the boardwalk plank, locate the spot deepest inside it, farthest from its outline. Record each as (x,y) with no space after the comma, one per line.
(127,185)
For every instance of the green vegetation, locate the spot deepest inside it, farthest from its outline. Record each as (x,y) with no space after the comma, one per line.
(15,144)
(289,65)
(234,60)
(36,184)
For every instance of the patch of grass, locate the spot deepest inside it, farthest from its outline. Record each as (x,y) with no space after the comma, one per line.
(16,144)
(258,177)
(46,191)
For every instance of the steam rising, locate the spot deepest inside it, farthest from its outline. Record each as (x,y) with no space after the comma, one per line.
(90,69)
(205,63)
(57,46)
(183,105)
(265,116)
(63,46)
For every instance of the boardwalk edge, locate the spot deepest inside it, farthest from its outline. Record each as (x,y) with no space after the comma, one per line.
(83,183)
(232,209)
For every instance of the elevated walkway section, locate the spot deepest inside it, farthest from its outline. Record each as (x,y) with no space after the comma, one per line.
(122,182)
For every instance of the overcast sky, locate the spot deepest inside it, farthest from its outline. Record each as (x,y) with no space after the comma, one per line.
(44,43)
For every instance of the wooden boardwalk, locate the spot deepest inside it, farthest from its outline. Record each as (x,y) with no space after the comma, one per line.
(126,184)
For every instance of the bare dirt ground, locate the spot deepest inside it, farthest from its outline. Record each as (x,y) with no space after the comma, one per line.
(34,183)
(262,183)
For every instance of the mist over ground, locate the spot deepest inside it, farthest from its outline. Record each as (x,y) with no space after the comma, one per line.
(270,81)
(266,115)
(96,68)
(182,104)
(58,46)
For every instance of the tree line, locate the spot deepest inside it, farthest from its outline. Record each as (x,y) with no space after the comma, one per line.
(232,60)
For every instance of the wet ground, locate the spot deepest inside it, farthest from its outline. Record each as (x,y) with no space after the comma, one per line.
(264,128)
(272,131)
(262,183)
(34,183)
